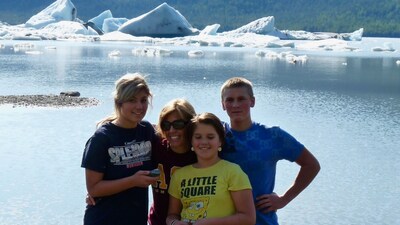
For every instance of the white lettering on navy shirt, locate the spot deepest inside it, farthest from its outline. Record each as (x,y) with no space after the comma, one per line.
(132,152)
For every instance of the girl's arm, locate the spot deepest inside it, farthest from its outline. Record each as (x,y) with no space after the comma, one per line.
(174,212)
(98,187)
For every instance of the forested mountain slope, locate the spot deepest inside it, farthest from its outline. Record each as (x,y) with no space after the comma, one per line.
(378,18)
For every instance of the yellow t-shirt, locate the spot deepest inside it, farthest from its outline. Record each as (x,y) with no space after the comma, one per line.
(205,192)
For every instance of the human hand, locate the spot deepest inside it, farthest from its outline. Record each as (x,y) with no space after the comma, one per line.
(90,200)
(269,202)
(143,179)
(180,222)
(200,222)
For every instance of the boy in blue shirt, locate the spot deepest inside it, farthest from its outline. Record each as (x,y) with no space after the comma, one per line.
(257,149)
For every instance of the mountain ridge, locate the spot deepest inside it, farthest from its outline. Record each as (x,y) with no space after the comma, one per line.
(378,18)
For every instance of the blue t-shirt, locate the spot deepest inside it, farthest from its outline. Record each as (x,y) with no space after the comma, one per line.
(257,151)
(117,153)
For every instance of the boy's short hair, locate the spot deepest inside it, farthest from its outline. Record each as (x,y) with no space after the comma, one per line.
(237,82)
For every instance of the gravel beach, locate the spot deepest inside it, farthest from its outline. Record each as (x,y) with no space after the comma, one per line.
(56,101)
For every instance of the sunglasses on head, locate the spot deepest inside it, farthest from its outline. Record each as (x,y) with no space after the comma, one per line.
(176,124)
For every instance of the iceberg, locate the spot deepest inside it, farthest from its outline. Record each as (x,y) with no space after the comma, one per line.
(163,21)
(264,25)
(66,28)
(99,20)
(305,35)
(58,11)
(166,26)
(210,30)
(113,24)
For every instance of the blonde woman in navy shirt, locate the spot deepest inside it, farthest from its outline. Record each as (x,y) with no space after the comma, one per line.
(117,158)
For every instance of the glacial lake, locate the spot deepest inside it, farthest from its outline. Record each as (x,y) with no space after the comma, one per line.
(343,106)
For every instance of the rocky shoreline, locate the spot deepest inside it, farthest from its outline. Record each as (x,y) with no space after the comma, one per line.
(56,101)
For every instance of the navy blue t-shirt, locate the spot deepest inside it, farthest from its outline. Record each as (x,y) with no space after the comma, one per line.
(117,153)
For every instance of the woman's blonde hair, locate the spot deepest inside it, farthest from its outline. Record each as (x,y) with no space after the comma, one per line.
(184,109)
(126,88)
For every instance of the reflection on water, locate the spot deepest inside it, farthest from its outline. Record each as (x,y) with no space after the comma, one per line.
(345,109)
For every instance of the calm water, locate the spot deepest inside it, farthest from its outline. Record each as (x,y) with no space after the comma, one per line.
(345,107)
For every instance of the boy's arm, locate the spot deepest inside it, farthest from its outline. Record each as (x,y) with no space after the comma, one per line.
(309,168)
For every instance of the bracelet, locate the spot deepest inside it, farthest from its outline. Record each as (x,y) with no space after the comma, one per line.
(172,222)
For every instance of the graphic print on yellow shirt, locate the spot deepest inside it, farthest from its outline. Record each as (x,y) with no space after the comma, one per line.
(196,208)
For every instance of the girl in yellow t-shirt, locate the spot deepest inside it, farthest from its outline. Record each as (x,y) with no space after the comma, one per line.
(212,190)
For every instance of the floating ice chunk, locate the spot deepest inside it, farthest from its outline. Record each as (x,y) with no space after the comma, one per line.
(195,53)
(398,62)
(350,48)
(213,43)
(210,30)
(203,43)
(26,38)
(387,47)
(260,53)
(287,56)
(51,47)
(283,55)
(378,49)
(302,58)
(289,44)
(114,53)
(327,45)
(267,54)
(228,43)
(163,52)
(33,52)
(145,51)
(355,36)
(273,45)
(152,51)
(290,58)
(237,45)
(272,55)
(305,35)
(277,44)
(23,46)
